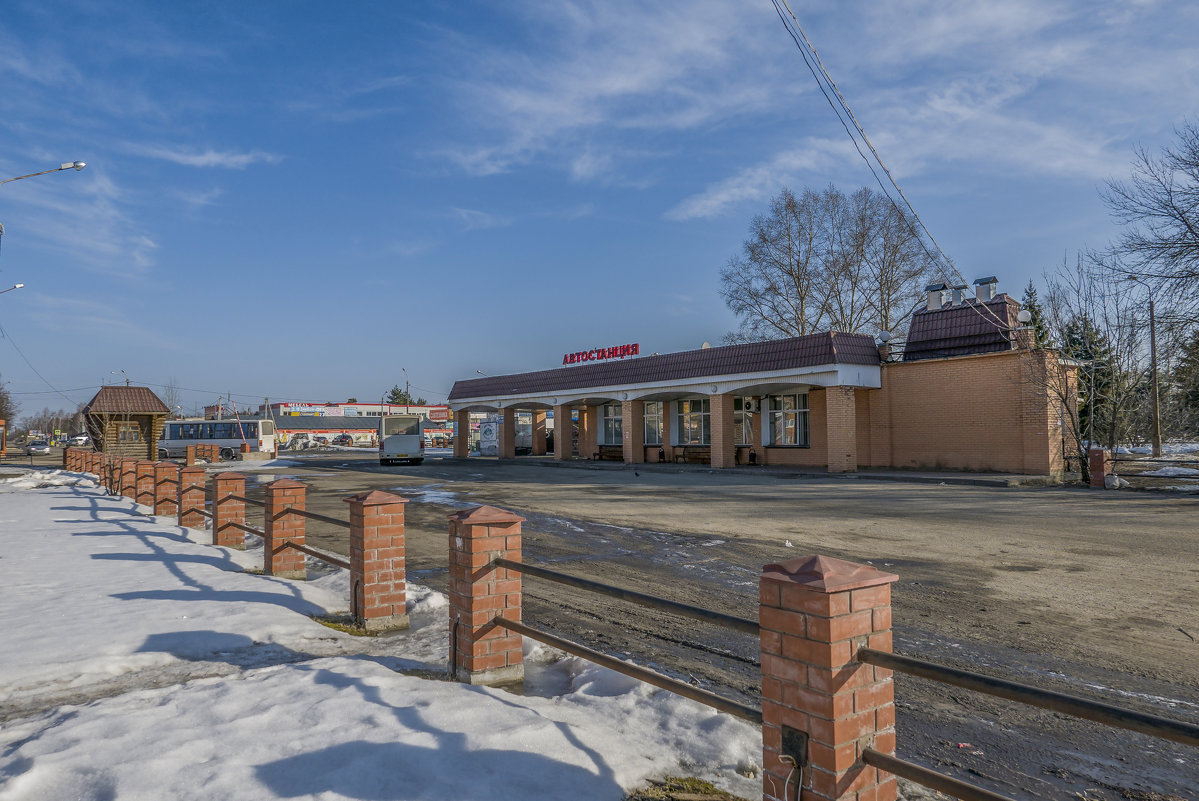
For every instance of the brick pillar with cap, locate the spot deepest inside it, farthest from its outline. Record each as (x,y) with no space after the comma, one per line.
(189,456)
(817,699)
(128,482)
(226,510)
(480,651)
(190,498)
(461,434)
(281,527)
(144,492)
(166,488)
(378,589)
(1099,464)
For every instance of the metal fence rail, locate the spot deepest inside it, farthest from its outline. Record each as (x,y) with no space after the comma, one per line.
(202,512)
(314,516)
(251,501)
(738,623)
(248,529)
(324,557)
(929,778)
(643,674)
(1186,733)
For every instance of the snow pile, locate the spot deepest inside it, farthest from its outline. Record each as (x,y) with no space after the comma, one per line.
(33,479)
(1173,472)
(139,663)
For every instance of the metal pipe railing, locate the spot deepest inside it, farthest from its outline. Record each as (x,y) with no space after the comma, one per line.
(684,610)
(929,778)
(248,529)
(643,674)
(324,557)
(314,516)
(243,499)
(1186,733)
(202,512)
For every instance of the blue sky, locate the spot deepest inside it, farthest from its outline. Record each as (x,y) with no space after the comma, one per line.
(298,199)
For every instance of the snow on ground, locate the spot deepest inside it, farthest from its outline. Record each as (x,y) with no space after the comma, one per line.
(141,663)
(1172,472)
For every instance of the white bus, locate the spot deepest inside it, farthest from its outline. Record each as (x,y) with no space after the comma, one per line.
(229,435)
(401,439)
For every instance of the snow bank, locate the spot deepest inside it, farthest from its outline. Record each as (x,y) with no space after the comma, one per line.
(1173,472)
(139,663)
(33,479)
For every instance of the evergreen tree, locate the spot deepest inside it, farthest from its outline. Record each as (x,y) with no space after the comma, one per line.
(1032,305)
(1082,341)
(401,396)
(1186,380)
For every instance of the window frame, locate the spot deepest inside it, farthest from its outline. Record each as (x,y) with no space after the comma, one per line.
(796,419)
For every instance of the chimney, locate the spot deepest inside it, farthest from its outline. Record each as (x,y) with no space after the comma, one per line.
(959,294)
(936,296)
(985,288)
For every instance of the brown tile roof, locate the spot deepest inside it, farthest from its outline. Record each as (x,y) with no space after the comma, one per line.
(752,357)
(126,400)
(962,330)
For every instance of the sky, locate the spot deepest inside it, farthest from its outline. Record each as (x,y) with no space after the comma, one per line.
(313,202)
(188,677)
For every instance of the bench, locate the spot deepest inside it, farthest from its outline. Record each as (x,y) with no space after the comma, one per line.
(608,453)
(693,454)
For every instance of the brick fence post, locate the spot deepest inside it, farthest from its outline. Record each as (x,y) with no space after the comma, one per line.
(225,510)
(128,481)
(480,652)
(1099,464)
(66,458)
(378,589)
(166,488)
(144,492)
(281,527)
(189,457)
(190,499)
(815,613)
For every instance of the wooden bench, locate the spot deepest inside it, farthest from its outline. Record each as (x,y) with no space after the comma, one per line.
(693,454)
(609,453)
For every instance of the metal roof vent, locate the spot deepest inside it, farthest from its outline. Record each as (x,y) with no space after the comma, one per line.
(986,288)
(937,295)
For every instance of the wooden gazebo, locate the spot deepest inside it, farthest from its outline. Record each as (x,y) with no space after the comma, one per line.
(126,421)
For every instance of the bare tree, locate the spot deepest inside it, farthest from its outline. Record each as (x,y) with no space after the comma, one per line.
(1159,209)
(8,407)
(172,396)
(825,260)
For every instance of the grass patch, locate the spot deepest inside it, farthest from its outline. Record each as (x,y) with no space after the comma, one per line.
(679,788)
(345,624)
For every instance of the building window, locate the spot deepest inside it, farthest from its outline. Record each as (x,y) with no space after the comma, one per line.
(789,419)
(743,422)
(653,423)
(693,422)
(129,432)
(612,424)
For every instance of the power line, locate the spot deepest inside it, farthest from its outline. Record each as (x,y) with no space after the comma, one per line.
(21,353)
(804,48)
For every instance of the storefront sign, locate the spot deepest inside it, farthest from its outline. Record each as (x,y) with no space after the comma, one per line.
(614,352)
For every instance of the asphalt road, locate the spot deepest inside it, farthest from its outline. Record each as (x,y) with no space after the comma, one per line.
(1091,593)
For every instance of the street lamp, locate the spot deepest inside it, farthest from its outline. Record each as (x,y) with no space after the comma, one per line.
(122,372)
(11,288)
(1157,420)
(71,165)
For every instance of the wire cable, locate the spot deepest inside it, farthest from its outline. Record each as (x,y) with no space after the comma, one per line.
(25,359)
(807,47)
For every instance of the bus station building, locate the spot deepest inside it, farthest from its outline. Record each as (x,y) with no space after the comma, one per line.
(967,393)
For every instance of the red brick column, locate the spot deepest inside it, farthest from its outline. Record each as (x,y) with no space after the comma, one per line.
(1099,464)
(724,443)
(539,432)
(563,434)
(144,488)
(506,447)
(840,416)
(281,527)
(378,589)
(632,424)
(128,481)
(166,488)
(66,458)
(189,456)
(225,510)
(588,436)
(461,434)
(190,498)
(480,652)
(815,613)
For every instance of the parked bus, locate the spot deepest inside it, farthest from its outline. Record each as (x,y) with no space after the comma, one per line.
(401,439)
(229,435)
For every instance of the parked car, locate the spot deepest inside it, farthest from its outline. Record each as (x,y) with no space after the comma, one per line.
(37,446)
(343,439)
(321,440)
(81,440)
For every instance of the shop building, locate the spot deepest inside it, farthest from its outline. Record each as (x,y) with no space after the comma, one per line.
(967,393)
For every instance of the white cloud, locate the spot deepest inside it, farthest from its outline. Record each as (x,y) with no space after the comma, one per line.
(473,219)
(206,158)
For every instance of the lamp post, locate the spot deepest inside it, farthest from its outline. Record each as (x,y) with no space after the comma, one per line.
(11,288)
(72,165)
(122,372)
(1157,421)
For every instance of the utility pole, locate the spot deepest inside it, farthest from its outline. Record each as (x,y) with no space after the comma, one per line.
(1157,419)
